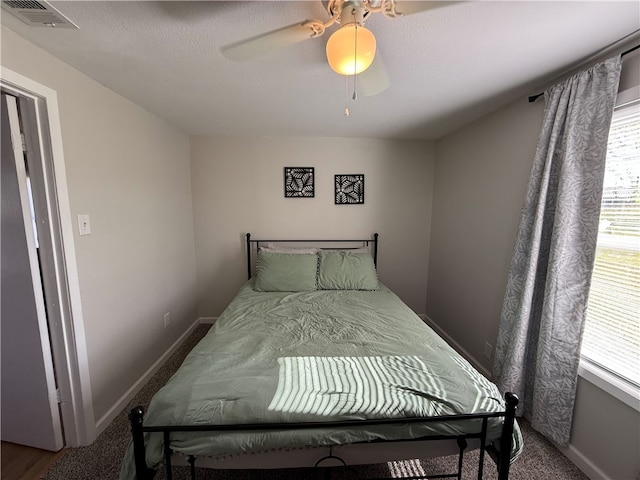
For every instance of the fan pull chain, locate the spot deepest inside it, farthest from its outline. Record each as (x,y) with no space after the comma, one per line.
(355,65)
(346,95)
(355,55)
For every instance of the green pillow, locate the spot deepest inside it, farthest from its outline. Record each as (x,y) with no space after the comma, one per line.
(286,272)
(346,271)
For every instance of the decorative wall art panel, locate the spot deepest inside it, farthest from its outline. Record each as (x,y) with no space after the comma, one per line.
(349,189)
(298,182)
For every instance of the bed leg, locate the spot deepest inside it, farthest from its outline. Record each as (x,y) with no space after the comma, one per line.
(192,466)
(136,417)
(506,439)
(462,445)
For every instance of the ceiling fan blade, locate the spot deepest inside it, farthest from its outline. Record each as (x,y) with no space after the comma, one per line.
(375,79)
(268,42)
(407,7)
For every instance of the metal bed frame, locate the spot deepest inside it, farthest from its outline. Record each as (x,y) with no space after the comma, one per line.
(500,454)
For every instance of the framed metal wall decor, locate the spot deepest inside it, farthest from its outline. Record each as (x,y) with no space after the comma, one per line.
(349,189)
(299,182)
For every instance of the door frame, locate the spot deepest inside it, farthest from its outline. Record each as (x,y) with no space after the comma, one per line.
(72,364)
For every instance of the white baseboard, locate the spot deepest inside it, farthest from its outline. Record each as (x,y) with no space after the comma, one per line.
(477,365)
(208,320)
(583,463)
(104,421)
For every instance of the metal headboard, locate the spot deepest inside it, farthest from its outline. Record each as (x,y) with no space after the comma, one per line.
(364,242)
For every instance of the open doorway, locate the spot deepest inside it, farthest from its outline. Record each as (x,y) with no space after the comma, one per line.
(30,405)
(41,228)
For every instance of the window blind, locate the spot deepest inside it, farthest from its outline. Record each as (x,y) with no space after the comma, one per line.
(612,330)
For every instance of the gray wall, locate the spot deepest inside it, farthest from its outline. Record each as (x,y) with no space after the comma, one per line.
(481,175)
(238,188)
(480,181)
(130,171)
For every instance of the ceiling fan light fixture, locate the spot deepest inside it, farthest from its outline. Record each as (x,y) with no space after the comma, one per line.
(346,54)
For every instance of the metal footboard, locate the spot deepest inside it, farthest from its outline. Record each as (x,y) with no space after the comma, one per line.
(500,455)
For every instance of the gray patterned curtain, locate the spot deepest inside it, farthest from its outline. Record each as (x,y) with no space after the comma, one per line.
(538,346)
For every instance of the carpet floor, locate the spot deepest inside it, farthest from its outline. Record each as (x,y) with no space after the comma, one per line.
(102,459)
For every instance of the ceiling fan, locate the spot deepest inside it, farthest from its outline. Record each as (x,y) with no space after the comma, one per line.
(351,49)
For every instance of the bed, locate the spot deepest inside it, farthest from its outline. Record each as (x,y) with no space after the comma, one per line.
(318,362)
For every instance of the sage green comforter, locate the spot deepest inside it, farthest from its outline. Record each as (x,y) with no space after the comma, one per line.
(316,356)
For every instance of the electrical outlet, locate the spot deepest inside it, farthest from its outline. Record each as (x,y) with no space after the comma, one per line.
(167,319)
(488,348)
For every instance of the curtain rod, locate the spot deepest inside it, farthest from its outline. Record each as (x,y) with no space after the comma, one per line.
(533,98)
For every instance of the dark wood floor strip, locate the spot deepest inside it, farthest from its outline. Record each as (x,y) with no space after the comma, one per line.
(19,462)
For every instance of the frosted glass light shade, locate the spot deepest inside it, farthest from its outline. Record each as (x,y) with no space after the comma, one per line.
(341,48)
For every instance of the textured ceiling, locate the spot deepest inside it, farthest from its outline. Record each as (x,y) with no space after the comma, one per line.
(447,66)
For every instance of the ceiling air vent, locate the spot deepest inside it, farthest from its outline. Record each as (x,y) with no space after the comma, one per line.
(37,14)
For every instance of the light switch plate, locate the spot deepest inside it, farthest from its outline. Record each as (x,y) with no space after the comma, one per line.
(84,225)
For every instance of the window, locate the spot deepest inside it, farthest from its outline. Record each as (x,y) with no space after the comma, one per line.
(612,332)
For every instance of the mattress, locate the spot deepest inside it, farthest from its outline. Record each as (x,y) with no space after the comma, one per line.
(316,356)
